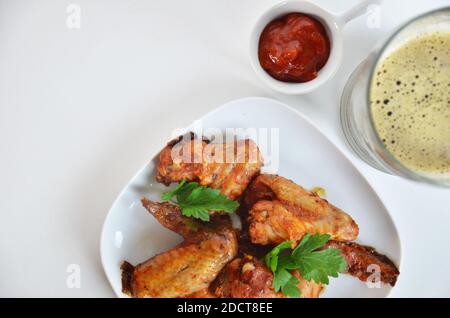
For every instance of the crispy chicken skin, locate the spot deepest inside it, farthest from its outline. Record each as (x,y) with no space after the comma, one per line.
(204,293)
(280,210)
(187,268)
(244,278)
(360,257)
(229,167)
(247,277)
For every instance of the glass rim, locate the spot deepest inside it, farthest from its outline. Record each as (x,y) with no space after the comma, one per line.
(401,168)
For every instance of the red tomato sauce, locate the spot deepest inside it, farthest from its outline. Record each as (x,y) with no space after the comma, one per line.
(294,48)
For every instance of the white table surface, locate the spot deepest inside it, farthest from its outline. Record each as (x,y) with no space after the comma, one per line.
(81,110)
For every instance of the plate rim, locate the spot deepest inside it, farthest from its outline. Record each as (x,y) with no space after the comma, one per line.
(216,110)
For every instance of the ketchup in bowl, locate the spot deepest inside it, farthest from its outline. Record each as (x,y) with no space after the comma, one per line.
(293,48)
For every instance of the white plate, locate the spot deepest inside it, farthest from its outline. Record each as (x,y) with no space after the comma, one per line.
(305,155)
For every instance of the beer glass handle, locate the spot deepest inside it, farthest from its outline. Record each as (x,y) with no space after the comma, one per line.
(356,11)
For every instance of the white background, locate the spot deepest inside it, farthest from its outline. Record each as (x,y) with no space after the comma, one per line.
(81,110)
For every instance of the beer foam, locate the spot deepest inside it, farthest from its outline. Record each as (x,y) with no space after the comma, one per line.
(410,103)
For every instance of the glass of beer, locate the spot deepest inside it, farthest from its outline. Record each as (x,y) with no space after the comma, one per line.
(395,108)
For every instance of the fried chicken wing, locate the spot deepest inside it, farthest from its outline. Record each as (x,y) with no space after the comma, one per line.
(280,210)
(229,167)
(247,277)
(187,268)
(360,257)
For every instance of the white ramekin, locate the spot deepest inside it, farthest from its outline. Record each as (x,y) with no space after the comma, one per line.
(333,23)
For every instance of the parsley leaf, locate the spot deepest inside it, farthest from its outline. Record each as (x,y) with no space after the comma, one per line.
(284,280)
(319,265)
(182,190)
(291,289)
(280,278)
(306,258)
(279,265)
(310,243)
(271,258)
(196,200)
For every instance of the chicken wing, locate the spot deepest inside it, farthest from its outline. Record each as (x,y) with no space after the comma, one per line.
(229,167)
(280,210)
(187,268)
(247,277)
(360,257)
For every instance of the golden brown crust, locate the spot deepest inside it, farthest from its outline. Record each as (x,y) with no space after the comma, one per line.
(204,293)
(281,210)
(187,268)
(229,167)
(171,166)
(360,257)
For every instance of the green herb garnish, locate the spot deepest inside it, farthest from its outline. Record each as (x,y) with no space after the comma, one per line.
(196,200)
(307,259)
